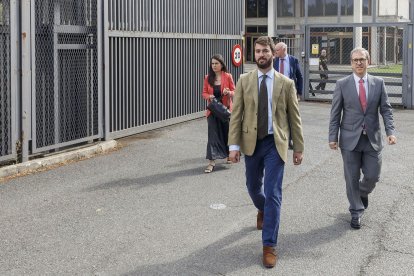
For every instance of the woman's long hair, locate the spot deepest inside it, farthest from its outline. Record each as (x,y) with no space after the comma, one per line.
(211,73)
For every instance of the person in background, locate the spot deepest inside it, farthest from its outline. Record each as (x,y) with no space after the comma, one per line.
(357,102)
(289,66)
(323,61)
(217,84)
(265,103)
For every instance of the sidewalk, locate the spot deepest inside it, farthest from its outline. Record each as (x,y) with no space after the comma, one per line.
(148,209)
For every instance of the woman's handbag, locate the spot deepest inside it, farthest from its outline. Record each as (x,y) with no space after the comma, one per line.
(219,110)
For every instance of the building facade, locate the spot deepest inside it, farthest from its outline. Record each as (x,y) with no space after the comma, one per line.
(287,18)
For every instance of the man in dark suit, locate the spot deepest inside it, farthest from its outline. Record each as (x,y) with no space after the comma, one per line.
(289,66)
(357,102)
(264,104)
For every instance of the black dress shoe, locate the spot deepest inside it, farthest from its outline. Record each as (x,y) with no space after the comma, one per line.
(356,223)
(364,201)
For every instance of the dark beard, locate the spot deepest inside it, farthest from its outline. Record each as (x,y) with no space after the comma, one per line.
(265,65)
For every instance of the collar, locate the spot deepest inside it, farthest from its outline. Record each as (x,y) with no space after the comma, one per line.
(285,57)
(269,74)
(356,78)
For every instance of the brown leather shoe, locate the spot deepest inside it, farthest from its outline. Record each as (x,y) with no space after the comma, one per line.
(259,220)
(269,256)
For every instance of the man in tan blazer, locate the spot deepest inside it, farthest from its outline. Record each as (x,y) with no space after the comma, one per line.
(264,104)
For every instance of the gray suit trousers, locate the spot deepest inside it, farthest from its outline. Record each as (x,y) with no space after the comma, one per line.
(364,158)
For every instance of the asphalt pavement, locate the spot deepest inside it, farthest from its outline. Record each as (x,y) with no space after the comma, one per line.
(148,208)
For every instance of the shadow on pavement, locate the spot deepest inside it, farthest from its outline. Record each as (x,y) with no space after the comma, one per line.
(155,179)
(231,254)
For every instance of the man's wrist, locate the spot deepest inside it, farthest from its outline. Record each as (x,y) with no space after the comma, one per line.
(234,147)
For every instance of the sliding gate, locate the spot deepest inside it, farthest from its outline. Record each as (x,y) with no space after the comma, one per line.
(387,43)
(65,77)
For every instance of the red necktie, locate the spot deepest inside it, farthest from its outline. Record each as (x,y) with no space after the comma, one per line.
(362,95)
(282,66)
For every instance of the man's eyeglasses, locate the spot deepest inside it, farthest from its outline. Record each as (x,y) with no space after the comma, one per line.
(359,60)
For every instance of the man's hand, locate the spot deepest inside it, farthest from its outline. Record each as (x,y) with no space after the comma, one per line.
(392,140)
(297,158)
(234,156)
(333,145)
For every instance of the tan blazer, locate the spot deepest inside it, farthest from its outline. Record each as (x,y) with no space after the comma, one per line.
(285,109)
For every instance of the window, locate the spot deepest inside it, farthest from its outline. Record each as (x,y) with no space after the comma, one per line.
(323,7)
(314,8)
(347,7)
(366,7)
(256,8)
(251,8)
(262,29)
(262,7)
(285,8)
(256,29)
(331,7)
(250,29)
(285,27)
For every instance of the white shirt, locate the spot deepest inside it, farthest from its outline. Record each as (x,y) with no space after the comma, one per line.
(286,65)
(365,78)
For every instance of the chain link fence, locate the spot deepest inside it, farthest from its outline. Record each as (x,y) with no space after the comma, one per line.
(66,73)
(384,43)
(5,89)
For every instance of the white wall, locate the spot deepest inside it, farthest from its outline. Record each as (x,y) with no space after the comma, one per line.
(387,7)
(404,9)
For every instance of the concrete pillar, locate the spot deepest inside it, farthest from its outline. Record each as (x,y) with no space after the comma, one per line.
(271,18)
(374,46)
(384,62)
(358,19)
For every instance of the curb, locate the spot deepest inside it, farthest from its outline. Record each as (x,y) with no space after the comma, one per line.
(74,155)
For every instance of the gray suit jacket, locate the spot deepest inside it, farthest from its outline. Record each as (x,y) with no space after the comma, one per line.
(347,117)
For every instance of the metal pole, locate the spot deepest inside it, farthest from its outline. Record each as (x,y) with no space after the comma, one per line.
(100,52)
(105,52)
(15,75)
(26,97)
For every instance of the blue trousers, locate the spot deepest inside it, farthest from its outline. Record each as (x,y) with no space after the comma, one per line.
(264,177)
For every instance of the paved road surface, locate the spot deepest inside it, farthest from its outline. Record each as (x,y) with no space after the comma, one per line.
(145,210)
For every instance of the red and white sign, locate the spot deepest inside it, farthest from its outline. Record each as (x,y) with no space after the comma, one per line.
(236,55)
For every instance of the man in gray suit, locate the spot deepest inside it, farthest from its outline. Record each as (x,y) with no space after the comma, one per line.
(355,119)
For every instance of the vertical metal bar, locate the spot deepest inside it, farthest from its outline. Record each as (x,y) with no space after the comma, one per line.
(28,81)
(144,81)
(306,63)
(15,91)
(100,39)
(407,79)
(129,82)
(134,82)
(409,100)
(116,93)
(56,71)
(122,86)
(140,82)
(107,21)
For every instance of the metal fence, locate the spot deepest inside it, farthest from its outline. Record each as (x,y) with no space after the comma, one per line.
(55,93)
(7,92)
(385,43)
(158,54)
(65,98)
